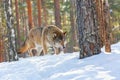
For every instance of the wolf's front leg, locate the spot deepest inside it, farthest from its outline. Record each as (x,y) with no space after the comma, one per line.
(44,48)
(30,52)
(40,52)
(56,50)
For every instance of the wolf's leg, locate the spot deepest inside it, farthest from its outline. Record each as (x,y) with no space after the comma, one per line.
(44,49)
(30,52)
(34,52)
(44,45)
(40,52)
(56,50)
(44,40)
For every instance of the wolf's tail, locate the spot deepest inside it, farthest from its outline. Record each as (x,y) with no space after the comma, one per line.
(24,48)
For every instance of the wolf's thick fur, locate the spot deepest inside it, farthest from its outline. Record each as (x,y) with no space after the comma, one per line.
(41,38)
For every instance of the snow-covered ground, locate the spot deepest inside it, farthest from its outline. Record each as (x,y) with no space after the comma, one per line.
(64,67)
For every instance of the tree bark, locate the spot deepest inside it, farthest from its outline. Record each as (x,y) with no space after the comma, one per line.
(89,40)
(103,16)
(29,7)
(106,19)
(1,50)
(72,29)
(18,27)
(1,43)
(1,37)
(12,53)
(44,12)
(57,13)
(39,12)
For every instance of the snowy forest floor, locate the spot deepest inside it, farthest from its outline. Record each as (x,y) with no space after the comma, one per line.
(104,66)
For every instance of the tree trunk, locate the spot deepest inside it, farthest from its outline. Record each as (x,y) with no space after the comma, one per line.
(1,43)
(89,40)
(99,8)
(1,35)
(107,27)
(1,49)
(18,27)
(39,12)
(29,7)
(72,29)
(12,53)
(57,13)
(103,16)
(44,12)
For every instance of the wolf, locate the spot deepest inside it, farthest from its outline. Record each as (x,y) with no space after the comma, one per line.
(42,38)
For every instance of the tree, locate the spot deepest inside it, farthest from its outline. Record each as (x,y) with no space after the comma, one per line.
(103,16)
(115,19)
(57,13)
(17,19)
(39,12)
(73,40)
(29,7)
(1,42)
(12,53)
(89,39)
(44,12)
(106,18)
(73,29)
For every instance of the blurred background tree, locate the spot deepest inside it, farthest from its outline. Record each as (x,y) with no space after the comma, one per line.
(115,19)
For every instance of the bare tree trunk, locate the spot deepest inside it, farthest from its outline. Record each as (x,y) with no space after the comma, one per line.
(107,27)
(57,13)
(44,12)
(89,39)
(99,9)
(12,53)
(18,27)
(39,12)
(103,16)
(1,43)
(73,25)
(1,35)
(72,29)
(29,7)
(1,49)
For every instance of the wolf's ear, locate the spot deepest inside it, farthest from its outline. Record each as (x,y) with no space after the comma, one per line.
(65,33)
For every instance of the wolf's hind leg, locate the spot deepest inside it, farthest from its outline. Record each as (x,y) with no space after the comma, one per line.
(44,50)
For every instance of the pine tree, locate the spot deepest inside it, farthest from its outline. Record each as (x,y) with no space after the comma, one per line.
(39,12)
(57,13)
(29,7)
(89,39)
(45,12)
(18,26)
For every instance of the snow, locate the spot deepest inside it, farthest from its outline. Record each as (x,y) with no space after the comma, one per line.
(65,67)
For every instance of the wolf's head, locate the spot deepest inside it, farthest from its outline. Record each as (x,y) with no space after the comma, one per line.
(59,39)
